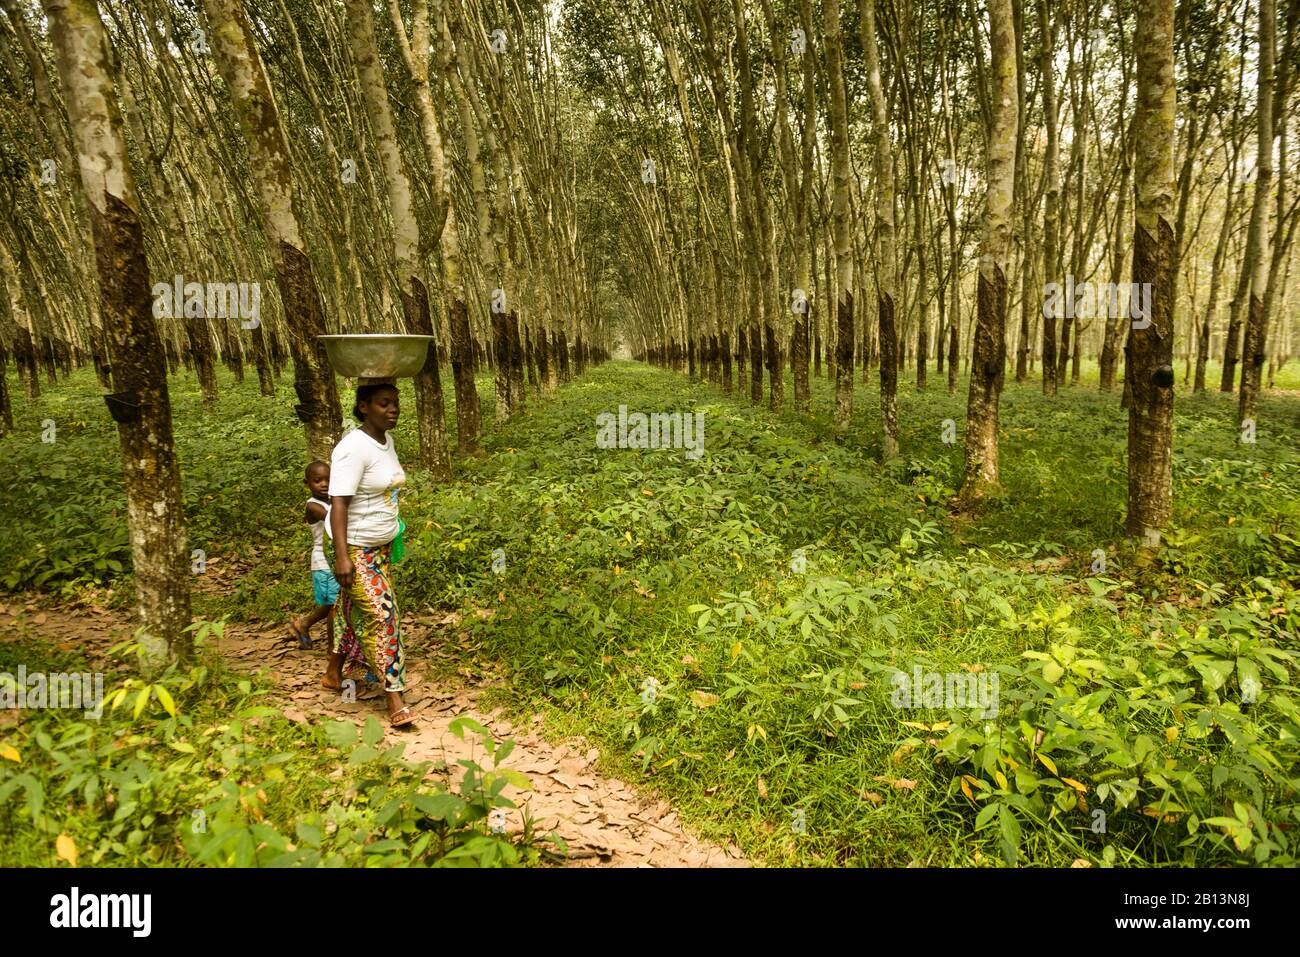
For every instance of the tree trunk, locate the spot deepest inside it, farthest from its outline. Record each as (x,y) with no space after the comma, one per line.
(530,361)
(988,359)
(430,414)
(501,373)
(205,366)
(234,352)
(1149,367)
(6,405)
(1258,252)
(1114,325)
(842,227)
(1212,300)
(518,396)
(545,369)
(1052,215)
(886,283)
(1232,338)
(265,384)
(140,403)
(250,91)
(725,346)
(414,49)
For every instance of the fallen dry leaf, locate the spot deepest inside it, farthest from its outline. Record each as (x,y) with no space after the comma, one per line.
(703,699)
(66,849)
(873,797)
(1169,818)
(762,788)
(902,783)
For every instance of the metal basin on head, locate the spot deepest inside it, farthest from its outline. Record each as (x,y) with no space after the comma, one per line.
(376,356)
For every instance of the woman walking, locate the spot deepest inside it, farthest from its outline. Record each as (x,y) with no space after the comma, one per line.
(364,478)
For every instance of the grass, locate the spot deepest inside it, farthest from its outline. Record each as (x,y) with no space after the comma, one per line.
(772,722)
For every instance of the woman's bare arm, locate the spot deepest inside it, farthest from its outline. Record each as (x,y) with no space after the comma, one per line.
(343,570)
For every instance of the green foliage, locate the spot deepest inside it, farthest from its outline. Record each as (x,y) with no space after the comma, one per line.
(205,774)
(772,677)
(1176,735)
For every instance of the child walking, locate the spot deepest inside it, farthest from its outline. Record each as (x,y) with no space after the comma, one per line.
(325,588)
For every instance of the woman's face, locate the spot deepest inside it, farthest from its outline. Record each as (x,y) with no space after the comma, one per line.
(383,409)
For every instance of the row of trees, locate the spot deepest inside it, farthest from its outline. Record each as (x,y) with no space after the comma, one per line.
(721,186)
(320,126)
(395,168)
(883,185)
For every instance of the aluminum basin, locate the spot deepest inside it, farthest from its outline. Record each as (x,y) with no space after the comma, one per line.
(376,356)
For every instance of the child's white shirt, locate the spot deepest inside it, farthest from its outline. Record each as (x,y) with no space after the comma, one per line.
(319,563)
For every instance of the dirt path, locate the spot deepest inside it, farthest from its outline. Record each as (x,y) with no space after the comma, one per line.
(605,822)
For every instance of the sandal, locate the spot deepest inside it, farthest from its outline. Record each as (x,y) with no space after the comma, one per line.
(304,639)
(404,710)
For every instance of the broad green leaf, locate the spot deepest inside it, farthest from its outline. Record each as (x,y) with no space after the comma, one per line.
(373,732)
(164,696)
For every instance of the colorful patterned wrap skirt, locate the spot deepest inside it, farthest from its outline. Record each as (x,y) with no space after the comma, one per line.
(371,626)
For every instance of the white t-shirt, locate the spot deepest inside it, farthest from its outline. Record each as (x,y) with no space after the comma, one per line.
(370,473)
(318,532)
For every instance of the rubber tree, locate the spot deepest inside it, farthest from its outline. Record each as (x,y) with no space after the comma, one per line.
(886,281)
(405,236)
(842,226)
(415,54)
(259,121)
(1149,354)
(988,357)
(1258,257)
(139,403)
(1052,201)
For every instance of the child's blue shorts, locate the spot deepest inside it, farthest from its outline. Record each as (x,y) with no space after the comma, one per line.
(324,586)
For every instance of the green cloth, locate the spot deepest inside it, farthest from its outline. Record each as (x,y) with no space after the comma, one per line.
(399,546)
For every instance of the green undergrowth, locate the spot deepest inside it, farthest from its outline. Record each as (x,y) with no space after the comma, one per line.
(769,592)
(192,768)
(732,630)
